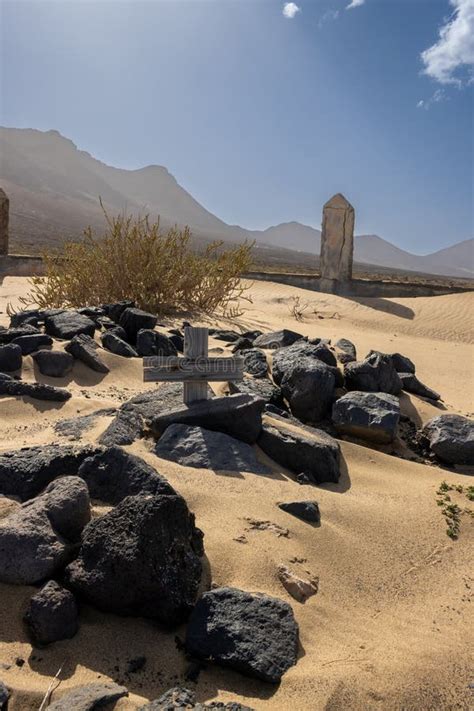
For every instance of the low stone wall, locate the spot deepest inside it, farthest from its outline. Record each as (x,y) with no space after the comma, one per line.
(357,287)
(20,265)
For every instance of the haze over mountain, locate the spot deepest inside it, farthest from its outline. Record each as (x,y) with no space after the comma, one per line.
(54,190)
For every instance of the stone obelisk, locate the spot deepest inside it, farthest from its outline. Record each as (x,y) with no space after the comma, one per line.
(337,244)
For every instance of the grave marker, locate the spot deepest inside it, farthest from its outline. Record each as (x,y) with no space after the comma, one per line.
(195,369)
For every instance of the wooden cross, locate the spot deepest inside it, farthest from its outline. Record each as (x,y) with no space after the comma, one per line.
(195,369)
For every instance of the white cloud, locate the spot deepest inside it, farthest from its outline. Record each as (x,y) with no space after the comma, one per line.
(455,47)
(327,17)
(355,3)
(290,9)
(438,96)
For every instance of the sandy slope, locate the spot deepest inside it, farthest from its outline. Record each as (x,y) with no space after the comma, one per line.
(391,625)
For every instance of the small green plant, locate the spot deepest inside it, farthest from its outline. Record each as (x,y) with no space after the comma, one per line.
(451,511)
(136,260)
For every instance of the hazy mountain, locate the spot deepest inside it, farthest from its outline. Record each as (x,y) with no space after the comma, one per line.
(54,190)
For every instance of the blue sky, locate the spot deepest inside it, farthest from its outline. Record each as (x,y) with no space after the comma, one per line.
(263,111)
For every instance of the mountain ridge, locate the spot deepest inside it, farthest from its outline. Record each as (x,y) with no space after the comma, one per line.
(54,189)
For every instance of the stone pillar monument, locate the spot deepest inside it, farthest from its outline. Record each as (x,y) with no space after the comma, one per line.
(4,211)
(337,243)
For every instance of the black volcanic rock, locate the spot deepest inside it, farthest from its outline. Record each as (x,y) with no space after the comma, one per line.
(10,358)
(311,451)
(24,473)
(116,345)
(55,364)
(451,438)
(372,416)
(238,415)
(374,374)
(142,558)
(277,339)
(305,510)
(206,449)
(67,324)
(32,342)
(133,320)
(151,343)
(52,614)
(84,348)
(411,384)
(113,474)
(254,634)
(37,391)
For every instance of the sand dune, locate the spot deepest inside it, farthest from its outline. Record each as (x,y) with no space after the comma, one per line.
(391,625)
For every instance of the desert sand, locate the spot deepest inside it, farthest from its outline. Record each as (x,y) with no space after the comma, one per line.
(391,626)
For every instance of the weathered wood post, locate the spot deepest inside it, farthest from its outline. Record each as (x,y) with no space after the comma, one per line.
(195,369)
(195,347)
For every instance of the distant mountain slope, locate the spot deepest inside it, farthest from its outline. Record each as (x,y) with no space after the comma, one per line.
(54,190)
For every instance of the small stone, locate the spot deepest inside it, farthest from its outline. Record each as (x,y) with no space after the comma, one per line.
(52,614)
(299,588)
(55,364)
(89,698)
(133,320)
(277,339)
(10,358)
(33,342)
(305,510)
(116,345)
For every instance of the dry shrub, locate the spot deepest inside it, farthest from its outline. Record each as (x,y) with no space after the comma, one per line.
(136,260)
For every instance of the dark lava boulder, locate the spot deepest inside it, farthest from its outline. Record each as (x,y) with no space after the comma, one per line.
(238,415)
(37,539)
(67,324)
(402,364)
(223,335)
(115,310)
(7,335)
(277,339)
(254,634)
(114,474)
(451,438)
(32,342)
(152,343)
(54,364)
(181,698)
(24,473)
(206,449)
(411,384)
(37,391)
(286,359)
(372,416)
(242,344)
(142,558)
(345,351)
(125,428)
(116,345)
(309,389)
(134,320)
(89,697)
(30,316)
(374,374)
(263,387)
(84,348)
(255,363)
(168,396)
(309,451)
(305,510)
(10,358)
(52,614)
